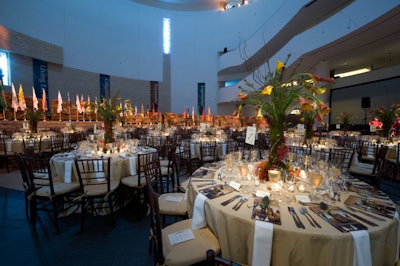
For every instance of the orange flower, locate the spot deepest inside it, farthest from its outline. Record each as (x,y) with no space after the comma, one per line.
(242,96)
(307,107)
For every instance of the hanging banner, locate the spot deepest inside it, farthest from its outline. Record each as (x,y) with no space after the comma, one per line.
(40,78)
(201,96)
(154,95)
(104,86)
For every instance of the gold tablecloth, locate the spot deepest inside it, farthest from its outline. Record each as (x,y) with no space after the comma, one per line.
(291,245)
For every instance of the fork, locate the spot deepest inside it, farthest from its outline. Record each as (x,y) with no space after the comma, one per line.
(240,203)
(312,218)
(302,211)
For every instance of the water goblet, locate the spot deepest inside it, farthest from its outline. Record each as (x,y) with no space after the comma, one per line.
(244,171)
(315,179)
(253,155)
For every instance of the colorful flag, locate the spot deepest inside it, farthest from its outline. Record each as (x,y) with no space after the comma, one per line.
(34,100)
(3,101)
(96,106)
(193,113)
(203,115)
(184,113)
(14,102)
(135,111)
(83,104)
(60,102)
(21,98)
(209,115)
(78,104)
(69,100)
(44,100)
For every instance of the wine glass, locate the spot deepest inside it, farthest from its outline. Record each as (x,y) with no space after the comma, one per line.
(315,180)
(244,171)
(253,155)
(291,157)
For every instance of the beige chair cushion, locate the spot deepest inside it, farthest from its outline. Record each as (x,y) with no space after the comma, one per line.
(101,189)
(164,163)
(132,181)
(165,172)
(184,184)
(59,189)
(208,158)
(168,207)
(191,251)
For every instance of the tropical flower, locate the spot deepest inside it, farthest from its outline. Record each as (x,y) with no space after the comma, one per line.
(346,118)
(109,108)
(277,98)
(386,116)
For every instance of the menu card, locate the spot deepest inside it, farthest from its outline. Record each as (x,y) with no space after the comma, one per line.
(216,191)
(200,173)
(180,236)
(271,214)
(338,219)
(374,206)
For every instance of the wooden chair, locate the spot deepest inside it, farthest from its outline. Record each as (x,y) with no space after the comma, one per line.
(45,193)
(97,188)
(32,146)
(133,187)
(26,183)
(208,152)
(10,159)
(213,260)
(167,206)
(341,157)
(169,168)
(371,171)
(184,253)
(394,162)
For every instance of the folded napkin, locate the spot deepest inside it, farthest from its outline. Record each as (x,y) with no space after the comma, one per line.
(199,218)
(397,216)
(132,165)
(9,146)
(262,245)
(68,171)
(362,250)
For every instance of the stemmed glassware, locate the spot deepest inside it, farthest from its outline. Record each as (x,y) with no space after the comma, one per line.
(315,179)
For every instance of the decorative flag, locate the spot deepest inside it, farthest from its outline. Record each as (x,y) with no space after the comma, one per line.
(83,104)
(14,100)
(44,100)
(135,111)
(203,115)
(96,106)
(3,102)
(184,113)
(21,98)
(193,113)
(69,100)
(209,114)
(35,100)
(60,102)
(78,104)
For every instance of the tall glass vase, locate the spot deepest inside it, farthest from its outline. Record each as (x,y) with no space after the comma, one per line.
(277,143)
(108,132)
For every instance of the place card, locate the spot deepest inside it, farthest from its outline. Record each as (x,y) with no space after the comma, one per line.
(174,198)
(180,236)
(234,185)
(303,198)
(262,194)
(251,135)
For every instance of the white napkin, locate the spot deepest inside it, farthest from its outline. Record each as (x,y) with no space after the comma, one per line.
(9,146)
(199,218)
(67,171)
(262,245)
(132,165)
(362,250)
(397,216)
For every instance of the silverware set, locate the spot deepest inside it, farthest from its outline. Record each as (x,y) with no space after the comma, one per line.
(296,218)
(310,219)
(238,204)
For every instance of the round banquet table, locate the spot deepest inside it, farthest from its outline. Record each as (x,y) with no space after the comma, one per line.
(290,245)
(121,165)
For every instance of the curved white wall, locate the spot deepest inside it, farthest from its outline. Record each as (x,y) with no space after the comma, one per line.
(342,23)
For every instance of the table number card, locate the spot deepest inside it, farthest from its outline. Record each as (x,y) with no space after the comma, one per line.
(180,236)
(300,128)
(234,185)
(251,135)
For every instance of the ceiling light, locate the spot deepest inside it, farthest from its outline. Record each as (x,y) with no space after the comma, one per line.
(353,72)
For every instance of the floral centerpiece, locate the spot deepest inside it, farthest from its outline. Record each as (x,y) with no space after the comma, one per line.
(33,117)
(346,119)
(276,99)
(109,109)
(386,116)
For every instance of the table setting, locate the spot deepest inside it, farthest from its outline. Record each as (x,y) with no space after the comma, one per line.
(237,205)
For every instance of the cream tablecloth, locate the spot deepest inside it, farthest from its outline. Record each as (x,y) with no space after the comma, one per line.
(291,245)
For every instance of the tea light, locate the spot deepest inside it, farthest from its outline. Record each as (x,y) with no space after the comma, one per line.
(302,188)
(257,182)
(274,176)
(276,187)
(291,188)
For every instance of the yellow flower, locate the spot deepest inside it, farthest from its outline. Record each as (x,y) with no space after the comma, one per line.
(307,107)
(267,90)
(259,113)
(279,66)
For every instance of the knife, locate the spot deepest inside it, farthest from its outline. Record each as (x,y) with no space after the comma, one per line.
(358,217)
(230,200)
(298,218)
(366,214)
